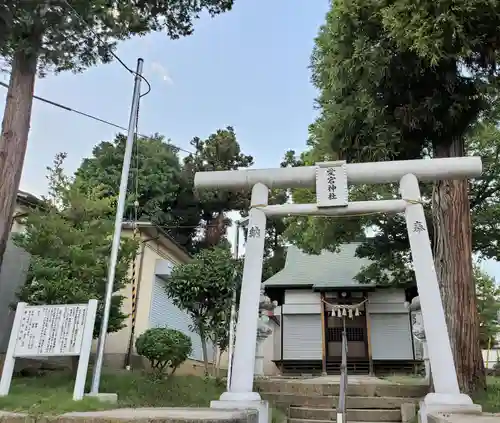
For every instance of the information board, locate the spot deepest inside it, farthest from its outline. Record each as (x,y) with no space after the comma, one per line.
(331,186)
(51,330)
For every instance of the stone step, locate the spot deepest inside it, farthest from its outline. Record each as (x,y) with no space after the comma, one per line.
(362,415)
(285,399)
(354,390)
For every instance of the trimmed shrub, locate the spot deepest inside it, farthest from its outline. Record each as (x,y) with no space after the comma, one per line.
(165,349)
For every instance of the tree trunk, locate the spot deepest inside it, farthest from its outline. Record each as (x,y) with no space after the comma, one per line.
(204,349)
(215,230)
(215,366)
(453,260)
(14,137)
(219,359)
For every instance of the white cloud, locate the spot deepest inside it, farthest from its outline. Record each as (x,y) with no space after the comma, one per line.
(162,72)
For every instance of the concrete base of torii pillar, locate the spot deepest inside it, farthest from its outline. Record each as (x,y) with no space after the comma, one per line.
(435,403)
(261,406)
(438,402)
(246,400)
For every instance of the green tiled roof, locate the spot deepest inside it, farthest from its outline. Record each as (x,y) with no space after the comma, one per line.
(326,270)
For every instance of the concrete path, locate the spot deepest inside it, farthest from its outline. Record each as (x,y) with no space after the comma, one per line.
(144,415)
(160,413)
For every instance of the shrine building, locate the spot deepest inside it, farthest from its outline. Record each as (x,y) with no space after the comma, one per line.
(315,293)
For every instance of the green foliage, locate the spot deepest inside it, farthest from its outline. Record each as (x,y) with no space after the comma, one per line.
(488,305)
(387,245)
(379,98)
(164,348)
(484,194)
(441,30)
(52,32)
(490,399)
(204,288)
(69,242)
(220,151)
(380,101)
(163,186)
(274,243)
(276,227)
(162,190)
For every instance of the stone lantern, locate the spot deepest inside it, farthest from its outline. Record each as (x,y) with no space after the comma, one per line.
(263,331)
(419,334)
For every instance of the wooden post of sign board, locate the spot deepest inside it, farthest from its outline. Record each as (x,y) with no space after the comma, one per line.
(10,361)
(83,360)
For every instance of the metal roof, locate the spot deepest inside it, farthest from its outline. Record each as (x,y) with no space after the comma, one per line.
(326,270)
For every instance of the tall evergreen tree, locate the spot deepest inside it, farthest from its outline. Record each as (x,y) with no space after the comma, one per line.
(159,190)
(67,238)
(389,93)
(220,151)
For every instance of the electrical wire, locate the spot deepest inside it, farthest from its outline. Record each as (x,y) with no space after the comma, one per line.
(118,59)
(201,226)
(89,116)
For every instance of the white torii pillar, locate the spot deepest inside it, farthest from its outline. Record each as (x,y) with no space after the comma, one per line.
(408,173)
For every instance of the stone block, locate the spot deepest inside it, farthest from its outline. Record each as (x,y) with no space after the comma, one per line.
(104,397)
(261,407)
(408,412)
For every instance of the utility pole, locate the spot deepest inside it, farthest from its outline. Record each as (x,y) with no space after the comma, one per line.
(96,376)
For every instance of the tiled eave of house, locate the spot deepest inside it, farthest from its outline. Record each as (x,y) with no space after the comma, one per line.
(29,200)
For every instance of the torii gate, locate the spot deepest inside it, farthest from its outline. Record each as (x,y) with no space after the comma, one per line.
(331,182)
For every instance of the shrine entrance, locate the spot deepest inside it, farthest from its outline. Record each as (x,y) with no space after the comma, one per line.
(355,326)
(330,181)
(345,310)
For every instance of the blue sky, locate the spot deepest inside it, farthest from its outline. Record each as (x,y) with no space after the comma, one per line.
(247,68)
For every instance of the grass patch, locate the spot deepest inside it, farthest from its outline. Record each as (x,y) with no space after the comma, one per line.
(277,416)
(51,394)
(490,400)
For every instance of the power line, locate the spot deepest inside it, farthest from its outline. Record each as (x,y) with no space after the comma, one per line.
(199,226)
(88,115)
(118,59)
